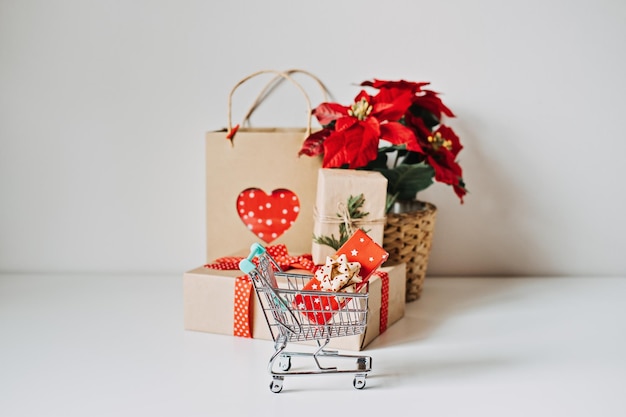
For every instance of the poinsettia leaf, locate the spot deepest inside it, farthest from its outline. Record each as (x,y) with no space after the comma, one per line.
(448,171)
(401,84)
(430,101)
(389,149)
(352,148)
(434,96)
(363,96)
(327,112)
(412,157)
(362,143)
(407,180)
(391,104)
(335,150)
(344,123)
(425,115)
(413,179)
(398,134)
(313,145)
(460,192)
(379,163)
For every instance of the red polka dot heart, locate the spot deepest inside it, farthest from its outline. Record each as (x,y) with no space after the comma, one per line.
(268,216)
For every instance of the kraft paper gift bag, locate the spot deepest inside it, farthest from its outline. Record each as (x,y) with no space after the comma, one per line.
(257,187)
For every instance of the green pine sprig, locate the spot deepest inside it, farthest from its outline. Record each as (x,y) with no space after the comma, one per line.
(354,205)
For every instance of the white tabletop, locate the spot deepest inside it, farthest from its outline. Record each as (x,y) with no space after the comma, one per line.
(114,345)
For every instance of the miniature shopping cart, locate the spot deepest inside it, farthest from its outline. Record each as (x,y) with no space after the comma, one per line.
(291,320)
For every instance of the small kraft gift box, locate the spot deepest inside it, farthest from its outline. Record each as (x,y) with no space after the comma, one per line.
(219,298)
(346,200)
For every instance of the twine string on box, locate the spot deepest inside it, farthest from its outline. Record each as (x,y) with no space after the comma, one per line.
(343,216)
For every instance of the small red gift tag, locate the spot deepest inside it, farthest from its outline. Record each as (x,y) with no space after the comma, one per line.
(360,248)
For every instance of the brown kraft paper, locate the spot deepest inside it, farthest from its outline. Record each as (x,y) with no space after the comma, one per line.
(334,187)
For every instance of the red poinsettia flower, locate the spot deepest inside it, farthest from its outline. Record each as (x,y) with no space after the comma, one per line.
(425,136)
(444,148)
(358,129)
(402,113)
(440,148)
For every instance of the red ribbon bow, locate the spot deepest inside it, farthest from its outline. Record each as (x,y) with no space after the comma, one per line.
(278,252)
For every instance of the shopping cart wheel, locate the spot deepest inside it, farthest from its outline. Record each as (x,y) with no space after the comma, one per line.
(284,363)
(276,385)
(359,382)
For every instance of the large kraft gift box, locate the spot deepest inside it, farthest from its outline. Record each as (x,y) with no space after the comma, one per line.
(335,187)
(218,301)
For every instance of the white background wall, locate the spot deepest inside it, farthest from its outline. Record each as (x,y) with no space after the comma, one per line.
(104,105)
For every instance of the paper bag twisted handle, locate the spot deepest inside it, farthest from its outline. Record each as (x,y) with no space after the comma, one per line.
(275,82)
(280,74)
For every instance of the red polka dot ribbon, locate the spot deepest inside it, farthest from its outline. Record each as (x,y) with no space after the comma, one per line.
(241,319)
(384,300)
(278,252)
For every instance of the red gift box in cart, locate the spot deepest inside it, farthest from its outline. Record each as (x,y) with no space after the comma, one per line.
(290,319)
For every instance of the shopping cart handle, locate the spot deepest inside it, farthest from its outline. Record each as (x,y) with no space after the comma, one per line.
(246,264)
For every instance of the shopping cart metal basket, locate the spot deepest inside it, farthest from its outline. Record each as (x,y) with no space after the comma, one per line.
(290,320)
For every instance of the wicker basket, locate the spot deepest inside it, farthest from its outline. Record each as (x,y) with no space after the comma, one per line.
(408,239)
